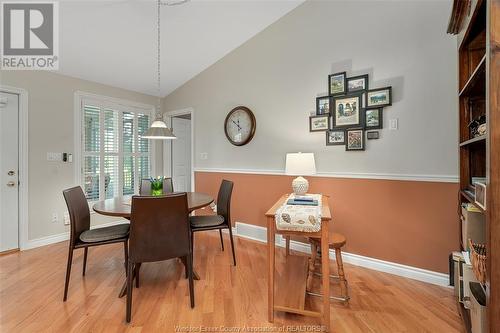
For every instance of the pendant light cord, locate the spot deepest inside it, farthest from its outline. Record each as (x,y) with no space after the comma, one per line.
(158,72)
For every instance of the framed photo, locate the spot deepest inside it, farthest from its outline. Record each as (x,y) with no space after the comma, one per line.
(357,83)
(347,111)
(319,123)
(372,135)
(335,137)
(337,84)
(374,118)
(480,194)
(379,97)
(354,139)
(323,105)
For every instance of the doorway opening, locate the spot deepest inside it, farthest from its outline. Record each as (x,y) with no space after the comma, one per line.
(178,154)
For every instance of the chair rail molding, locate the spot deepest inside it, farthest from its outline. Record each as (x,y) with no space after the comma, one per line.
(353,175)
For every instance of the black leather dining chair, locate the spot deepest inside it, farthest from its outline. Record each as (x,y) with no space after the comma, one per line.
(220,221)
(159,230)
(145,188)
(81,236)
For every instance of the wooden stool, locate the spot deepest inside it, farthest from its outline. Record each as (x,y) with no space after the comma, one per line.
(337,241)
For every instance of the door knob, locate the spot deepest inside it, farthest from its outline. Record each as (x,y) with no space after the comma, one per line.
(11,173)
(11,184)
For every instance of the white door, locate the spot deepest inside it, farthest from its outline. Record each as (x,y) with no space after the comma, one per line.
(9,169)
(181,155)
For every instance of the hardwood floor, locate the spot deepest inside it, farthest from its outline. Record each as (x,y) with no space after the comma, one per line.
(32,283)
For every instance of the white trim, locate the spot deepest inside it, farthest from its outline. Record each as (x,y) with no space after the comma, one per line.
(167,117)
(42,241)
(385,176)
(79,96)
(259,234)
(23,163)
(113,100)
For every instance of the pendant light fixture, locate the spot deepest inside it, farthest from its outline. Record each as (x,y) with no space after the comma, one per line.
(158,129)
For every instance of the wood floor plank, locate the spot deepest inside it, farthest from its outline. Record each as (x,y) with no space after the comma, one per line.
(31,288)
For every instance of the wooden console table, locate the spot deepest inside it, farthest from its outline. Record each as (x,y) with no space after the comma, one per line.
(291,292)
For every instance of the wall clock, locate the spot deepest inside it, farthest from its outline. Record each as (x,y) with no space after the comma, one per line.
(240,126)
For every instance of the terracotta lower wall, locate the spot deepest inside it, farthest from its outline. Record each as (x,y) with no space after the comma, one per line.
(408,222)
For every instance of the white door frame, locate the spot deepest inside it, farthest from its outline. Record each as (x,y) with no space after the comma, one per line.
(23,162)
(167,155)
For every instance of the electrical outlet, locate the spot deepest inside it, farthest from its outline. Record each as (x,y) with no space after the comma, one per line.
(204,156)
(55,218)
(66,218)
(393,124)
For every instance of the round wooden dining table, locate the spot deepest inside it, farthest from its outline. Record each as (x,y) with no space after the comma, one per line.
(122,206)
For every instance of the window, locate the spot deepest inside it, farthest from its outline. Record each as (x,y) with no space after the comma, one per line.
(114,156)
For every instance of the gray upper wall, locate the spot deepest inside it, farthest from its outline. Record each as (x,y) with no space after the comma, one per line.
(279,72)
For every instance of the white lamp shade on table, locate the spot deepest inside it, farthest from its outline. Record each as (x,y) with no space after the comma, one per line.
(300,164)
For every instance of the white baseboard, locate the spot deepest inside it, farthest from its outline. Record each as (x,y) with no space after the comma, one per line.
(259,234)
(34,243)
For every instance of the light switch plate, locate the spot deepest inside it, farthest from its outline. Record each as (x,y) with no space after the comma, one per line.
(54,156)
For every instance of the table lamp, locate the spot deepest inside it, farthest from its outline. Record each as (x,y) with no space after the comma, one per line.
(300,164)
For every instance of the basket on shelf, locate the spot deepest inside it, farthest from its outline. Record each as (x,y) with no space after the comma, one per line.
(478,260)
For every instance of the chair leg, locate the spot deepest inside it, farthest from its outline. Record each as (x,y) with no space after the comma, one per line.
(130,274)
(68,273)
(125,252)
(221,240)
(340,267)
(137,270)
(192,248)
(190,275)
(287,246)
(232,243)
(85,252)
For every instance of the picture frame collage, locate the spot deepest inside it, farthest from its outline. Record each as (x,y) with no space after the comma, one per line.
(349,110)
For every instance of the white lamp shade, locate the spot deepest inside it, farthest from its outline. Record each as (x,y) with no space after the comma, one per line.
(300,164)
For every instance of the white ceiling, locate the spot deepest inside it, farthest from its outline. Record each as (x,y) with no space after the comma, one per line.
(114,42)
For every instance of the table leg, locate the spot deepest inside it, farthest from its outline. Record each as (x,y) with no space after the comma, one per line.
(270,281)
(325,272)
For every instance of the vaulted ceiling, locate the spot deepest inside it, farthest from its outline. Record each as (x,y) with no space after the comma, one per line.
(114,42)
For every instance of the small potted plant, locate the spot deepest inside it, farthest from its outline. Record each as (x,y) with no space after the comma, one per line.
(156,186)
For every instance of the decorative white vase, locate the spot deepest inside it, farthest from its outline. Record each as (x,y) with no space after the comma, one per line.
(300,185)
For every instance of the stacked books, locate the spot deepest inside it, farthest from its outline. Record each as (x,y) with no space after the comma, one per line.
(302,200)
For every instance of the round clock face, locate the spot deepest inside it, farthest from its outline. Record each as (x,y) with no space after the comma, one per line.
(240,126)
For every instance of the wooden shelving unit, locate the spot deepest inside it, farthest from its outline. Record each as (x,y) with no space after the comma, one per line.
(477,26)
